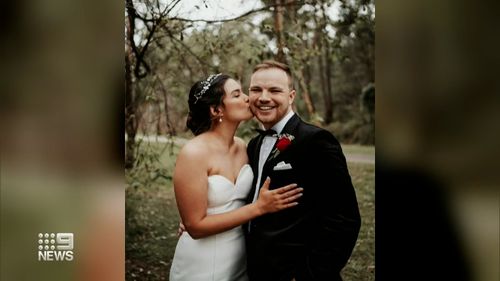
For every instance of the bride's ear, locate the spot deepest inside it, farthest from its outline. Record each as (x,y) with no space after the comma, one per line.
(215,111)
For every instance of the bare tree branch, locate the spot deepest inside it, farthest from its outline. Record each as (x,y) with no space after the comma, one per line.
(225,20)
(139,54)
(188,49)
(170,9)
(266,8)
(131,13)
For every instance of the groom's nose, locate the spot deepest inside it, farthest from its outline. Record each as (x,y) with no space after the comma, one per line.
(264,97)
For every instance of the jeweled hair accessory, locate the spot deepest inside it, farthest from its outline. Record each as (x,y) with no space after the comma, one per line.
(206,84)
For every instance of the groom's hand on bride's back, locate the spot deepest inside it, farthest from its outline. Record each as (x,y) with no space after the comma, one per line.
(270,201)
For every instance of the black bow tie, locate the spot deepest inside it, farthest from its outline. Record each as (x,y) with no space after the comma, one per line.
(269,132)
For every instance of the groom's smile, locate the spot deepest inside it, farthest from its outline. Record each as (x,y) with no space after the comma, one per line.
(265,108)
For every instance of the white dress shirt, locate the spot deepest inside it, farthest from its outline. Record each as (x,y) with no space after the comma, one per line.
(266,147)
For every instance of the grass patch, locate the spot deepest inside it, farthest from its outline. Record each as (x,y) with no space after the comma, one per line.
(361,266)
(152,217)
(358,149)
(151,214)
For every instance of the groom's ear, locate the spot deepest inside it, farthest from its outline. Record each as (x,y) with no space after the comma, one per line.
(292,96)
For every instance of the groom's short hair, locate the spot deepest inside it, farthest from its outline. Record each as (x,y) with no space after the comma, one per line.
(274,64)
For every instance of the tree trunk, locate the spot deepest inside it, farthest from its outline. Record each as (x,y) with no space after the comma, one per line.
(169,127)
(130,121)
(305,93)
(328,72)
(130,105)
(278,27)
(328,116)
(324,87)
(324,66)
(307,75)
(322,73)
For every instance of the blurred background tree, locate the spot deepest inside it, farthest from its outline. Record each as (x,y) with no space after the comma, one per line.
(329,44)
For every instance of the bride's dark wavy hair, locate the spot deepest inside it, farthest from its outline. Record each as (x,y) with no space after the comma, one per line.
(199,119)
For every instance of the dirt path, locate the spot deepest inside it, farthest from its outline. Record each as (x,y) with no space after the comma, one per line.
(360,158)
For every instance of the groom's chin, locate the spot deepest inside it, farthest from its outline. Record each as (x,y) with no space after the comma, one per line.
(264,118)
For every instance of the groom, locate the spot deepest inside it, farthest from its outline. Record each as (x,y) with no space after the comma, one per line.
(313,240)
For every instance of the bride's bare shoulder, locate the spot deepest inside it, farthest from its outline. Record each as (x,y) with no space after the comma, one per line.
(195,149)
(192,163)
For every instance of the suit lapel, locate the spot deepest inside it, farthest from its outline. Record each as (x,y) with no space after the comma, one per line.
(289,128)
(255,153)
(291,125)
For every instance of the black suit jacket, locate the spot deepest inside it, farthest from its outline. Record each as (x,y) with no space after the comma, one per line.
(313,240)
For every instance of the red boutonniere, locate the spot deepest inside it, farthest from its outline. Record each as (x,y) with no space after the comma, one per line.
(282,143)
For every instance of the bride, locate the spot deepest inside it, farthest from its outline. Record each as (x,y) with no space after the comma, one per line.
(211,182)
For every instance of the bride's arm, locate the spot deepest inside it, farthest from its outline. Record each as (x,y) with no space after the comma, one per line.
(190,185)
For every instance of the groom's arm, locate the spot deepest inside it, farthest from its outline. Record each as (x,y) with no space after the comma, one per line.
(337,212)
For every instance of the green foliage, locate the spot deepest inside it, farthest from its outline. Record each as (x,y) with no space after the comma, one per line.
(149,168)
(353,131)
(246,130)
(367,101)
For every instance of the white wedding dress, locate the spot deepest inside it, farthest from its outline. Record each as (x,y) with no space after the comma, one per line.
(221,256)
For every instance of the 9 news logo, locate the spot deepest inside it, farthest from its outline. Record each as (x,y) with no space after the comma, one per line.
(55,246)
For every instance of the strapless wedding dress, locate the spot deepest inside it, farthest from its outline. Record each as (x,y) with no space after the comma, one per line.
(221,256)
